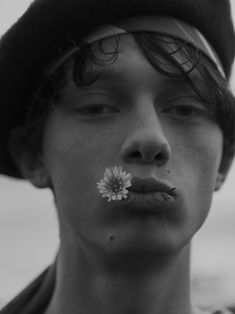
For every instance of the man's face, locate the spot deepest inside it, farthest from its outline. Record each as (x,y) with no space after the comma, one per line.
(153,127)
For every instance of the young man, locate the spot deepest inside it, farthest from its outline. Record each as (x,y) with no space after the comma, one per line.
(123,110)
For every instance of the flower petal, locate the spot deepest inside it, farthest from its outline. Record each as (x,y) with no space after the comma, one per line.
(115,171)
(119,197)
(108,173)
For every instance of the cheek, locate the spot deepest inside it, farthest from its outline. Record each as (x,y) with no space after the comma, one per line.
(76,159)
(199,151)
(196,160)
(75,148)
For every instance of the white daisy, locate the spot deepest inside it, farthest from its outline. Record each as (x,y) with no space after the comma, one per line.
(114,184)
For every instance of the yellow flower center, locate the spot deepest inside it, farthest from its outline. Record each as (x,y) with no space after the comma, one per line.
(116,185)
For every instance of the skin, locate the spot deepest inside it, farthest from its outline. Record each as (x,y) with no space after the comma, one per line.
(112,260)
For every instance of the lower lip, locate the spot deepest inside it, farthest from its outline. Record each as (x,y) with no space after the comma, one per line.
(154,201)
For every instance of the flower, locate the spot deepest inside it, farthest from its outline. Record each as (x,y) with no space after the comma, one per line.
(114,184)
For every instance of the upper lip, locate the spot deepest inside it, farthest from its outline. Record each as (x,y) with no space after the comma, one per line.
(150,185)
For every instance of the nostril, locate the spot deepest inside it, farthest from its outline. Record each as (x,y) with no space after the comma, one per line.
(146,150)
(160,156)
(135,154)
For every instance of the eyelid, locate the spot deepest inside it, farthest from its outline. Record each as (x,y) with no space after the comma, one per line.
(189,107)
(190,100)
(88,107)
(91,97)
(184,97)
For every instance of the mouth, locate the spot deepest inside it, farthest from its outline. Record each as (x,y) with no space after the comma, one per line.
(151,185)
(150,194)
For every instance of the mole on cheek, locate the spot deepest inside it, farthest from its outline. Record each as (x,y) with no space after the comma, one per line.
(111,238)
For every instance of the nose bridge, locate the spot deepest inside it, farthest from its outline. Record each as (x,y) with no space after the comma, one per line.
(146,140)
(146,120)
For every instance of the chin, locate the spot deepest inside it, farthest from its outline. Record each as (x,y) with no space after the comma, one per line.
(148,246)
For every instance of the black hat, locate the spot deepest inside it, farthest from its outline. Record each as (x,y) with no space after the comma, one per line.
(38,38)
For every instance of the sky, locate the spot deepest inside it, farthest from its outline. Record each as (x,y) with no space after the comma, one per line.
(29,232)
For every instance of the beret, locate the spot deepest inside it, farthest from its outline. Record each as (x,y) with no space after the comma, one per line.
(48,26)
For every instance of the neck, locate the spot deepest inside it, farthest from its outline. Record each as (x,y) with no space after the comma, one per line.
(86,284)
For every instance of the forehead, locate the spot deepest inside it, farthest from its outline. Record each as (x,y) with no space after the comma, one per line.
(114,55)
(120,57)
(121,68)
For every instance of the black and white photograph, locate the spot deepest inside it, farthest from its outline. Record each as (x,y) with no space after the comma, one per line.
(117,145)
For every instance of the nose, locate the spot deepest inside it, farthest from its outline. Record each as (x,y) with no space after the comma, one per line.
(146,142)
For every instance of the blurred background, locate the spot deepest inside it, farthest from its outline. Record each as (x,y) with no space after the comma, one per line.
(29,231)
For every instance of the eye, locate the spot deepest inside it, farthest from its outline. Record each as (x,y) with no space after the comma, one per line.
(96,109)
(187,107)
(186,110)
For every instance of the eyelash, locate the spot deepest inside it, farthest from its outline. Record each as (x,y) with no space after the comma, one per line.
(92,109)
(181,111)
(186,110)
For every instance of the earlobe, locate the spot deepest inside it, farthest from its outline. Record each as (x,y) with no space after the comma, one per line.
(219,181)
(29,163)
(32,169)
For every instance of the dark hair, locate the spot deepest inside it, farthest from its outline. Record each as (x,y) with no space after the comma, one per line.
(163,54)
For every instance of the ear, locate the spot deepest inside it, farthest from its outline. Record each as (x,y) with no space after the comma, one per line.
(224,168)
(219,181)
(29,163)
